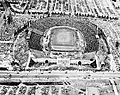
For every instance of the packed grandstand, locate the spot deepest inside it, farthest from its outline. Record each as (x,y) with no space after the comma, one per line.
(59,47)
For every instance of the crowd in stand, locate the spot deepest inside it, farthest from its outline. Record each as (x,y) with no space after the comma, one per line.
(89,34)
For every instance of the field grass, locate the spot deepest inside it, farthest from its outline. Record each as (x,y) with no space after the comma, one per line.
(88,29)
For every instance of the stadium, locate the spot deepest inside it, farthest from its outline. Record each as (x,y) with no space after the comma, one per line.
(59,47)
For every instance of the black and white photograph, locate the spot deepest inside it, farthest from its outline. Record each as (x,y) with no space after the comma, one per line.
(59,47)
